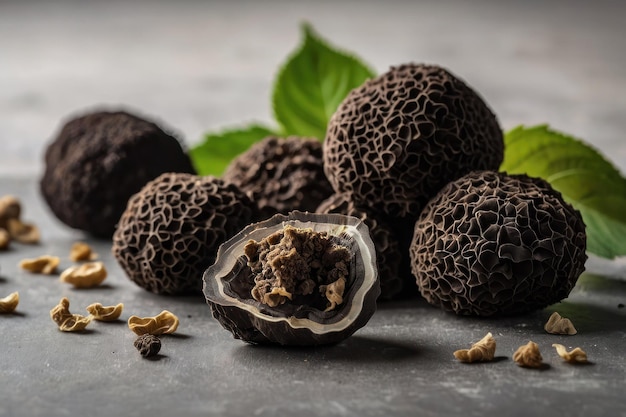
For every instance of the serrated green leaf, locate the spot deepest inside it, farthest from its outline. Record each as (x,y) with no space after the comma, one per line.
(311,85)
(212,156)
(585,178)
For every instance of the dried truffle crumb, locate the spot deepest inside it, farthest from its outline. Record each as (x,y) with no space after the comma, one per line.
(165,322)
(481,351)
(9,303)
(299,265)
(559,325)
(171,230)
(99,160)
(399,138)
(528,356)
(281,174)
(148,345)
(576,355)
(491,244)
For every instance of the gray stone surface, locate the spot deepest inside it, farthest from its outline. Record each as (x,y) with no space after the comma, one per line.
(200,66)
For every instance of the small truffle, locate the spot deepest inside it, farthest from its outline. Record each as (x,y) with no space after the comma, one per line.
(148,345)
(491,244)
(388,254)
(98,161)
(171,230)
(398,139)
(281,175)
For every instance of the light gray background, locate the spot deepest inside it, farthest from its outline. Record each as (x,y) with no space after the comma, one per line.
(203,66)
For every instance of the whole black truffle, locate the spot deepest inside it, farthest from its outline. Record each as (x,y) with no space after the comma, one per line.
(98,161)
(388,253)
(491,244)
(398,139)
(281,174)
(148,345)
(171,230)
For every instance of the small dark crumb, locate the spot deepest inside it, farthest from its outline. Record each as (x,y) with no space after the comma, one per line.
(620,305)
(188,316)
(148,345)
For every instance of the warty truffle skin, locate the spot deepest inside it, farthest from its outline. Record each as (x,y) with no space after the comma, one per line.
(492,244)
(100,159)
(282,174)
(398,139)
(171,230)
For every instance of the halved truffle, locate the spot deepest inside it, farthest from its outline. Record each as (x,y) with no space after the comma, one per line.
(398,139)
(171,230)
(281,174)
(491,244)
(301,279)
(98,161)
(388,254)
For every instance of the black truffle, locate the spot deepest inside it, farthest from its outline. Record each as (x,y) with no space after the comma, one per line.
(171,230)
(491,244)
(98,161)
(388,254)
(281,174)
(277,282)
(398,139)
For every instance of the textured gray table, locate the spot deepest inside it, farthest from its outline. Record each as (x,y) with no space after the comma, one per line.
(203,66)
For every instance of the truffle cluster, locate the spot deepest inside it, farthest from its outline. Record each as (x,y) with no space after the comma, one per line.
(281,174)
(171,230)
(98,161)
(490,244)
(394,142)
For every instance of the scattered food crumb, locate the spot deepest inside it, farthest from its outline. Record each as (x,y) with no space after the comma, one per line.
(9,303)
(559,325)
(88,275)
(45,264)
(163,323)
(81,251)
(481,351)
(576,355)
(528,356)
(105,313)
(67,321)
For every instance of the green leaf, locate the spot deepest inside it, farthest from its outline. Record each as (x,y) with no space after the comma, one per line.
(311,85)
(585,178)
(212,156)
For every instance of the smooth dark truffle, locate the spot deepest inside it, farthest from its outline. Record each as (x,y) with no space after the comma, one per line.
(398,139)
(98,161)
(171,230)
(281,174)
(492,244)
(348,287)
(388,254)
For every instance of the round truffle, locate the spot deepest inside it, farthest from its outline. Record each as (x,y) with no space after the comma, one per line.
(171,230)
(388,254)
(281,174)
(492,244)
(398,139)
(98,161)
(297,279)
